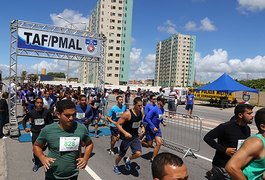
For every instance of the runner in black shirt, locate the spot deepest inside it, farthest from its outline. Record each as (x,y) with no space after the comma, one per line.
(229,136)
(128,125)
(39,117)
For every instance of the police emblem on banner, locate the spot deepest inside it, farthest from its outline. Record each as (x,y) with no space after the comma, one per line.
(91,46)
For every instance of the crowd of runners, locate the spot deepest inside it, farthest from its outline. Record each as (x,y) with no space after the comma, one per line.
(59,118)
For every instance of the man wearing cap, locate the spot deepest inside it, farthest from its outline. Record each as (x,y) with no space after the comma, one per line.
(153,118)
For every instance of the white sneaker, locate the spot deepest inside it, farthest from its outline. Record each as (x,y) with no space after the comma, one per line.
(111,152)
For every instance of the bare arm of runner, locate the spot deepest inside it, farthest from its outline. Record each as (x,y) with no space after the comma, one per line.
(110,120)
(126,116)
(251,149)
(46,161)
(82,161)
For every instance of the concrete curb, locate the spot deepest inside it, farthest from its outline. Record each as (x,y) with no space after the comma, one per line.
(3,166)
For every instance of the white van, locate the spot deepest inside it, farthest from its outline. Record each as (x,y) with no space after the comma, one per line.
(181,94)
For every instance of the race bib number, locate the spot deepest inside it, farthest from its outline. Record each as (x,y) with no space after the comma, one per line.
(239,143)
(39,122)
(69,144)
(136,124)
(80,115)
(118,114)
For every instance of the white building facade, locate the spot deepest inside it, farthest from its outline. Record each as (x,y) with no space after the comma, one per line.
(113,19)
(175,61)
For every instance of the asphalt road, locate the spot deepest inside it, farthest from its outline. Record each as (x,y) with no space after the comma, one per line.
(19,155)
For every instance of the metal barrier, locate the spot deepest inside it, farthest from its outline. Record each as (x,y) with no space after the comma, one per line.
(182,133)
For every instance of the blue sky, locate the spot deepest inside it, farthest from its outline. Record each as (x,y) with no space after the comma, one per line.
(230,33)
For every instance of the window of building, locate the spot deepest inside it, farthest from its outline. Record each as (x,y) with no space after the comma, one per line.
(110,61)
(113,7)
(120,8)
(116,68)
(109,75)
(117,62)
(120,15)
(119,28)
(112,14)
(117,48)
(113,1)
(109,68)
(110,54)
(119,21)
(111,41)
(112,27)
(117,55)
(118,35)
(116,75)
(112,20)
(110,47)
(118,41)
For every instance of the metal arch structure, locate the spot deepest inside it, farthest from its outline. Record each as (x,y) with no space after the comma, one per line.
(15,51)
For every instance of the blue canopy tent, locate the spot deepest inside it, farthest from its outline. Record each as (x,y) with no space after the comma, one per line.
(226,84)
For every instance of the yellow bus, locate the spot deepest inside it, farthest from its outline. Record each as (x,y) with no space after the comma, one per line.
(215,95)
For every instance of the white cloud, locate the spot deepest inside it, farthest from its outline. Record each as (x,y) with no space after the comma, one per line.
(57,66)
(70,18)
(205,25)
(168,27)
(211,66)
(251,5)
(141,68)
(191,26)
(135,56)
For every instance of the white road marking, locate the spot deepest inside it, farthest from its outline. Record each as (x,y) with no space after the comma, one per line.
(202,157)
(92,173)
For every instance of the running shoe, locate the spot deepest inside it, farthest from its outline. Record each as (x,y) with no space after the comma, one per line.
(116,170)
(35,168)
(111,152)
(97,136)
(127,164)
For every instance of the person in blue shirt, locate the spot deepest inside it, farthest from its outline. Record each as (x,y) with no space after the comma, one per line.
(113,115)
(148,108)
(153,131)
(190,102)
(84,112)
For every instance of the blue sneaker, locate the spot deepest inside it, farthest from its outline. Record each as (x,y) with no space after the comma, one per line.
(127,164)
(116,170)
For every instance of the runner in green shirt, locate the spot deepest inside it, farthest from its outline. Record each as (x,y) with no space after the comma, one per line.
(64,140)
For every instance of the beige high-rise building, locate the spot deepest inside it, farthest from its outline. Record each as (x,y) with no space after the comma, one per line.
(175,61)
(113,18)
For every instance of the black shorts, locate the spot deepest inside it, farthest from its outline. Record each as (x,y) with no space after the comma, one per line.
(114,131)
(171,105)
(134,143)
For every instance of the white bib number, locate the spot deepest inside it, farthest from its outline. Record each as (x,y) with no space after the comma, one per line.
(118,114)
(80,115)
(69,143)
(136,124)
(160,117)
(39,122)
(239,143)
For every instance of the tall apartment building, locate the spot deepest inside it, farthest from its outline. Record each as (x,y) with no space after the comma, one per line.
(175,61)
(113,18)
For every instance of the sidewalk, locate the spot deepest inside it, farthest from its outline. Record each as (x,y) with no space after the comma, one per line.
(3,168)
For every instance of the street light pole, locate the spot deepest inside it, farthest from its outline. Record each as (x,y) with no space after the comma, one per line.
(72,26)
